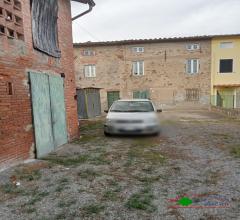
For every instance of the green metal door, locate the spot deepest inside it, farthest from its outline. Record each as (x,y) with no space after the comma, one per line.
(58,110)
(112,97)
(41,107)
(141,94)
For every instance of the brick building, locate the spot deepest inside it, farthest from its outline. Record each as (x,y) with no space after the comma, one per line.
(169,71)
(36,70)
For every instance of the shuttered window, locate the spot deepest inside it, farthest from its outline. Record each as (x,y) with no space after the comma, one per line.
(44,26)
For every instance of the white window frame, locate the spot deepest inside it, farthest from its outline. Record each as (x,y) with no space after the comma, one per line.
(195,46)
(90,71)
(88,52)
(138,49)
(138,66)
(226,45)
(190,70)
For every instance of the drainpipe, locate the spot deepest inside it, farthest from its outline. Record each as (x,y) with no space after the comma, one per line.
(91,4)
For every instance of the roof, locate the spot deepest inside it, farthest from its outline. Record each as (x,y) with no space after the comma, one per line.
(134,100)
(156,40)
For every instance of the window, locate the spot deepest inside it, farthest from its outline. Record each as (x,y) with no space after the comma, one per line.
(226,66)
(90,71)
(2,29)
(193,46)
(88,53)
(138,49)
(192,66)
(141,94)
(192,94)
(138,68)
(225,45)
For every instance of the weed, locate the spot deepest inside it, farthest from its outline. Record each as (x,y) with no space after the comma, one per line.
(29,210)
(66,203)
(28,175)
(142,200)
(92,209)
(110,195)
(11,189)
(148,179)
(91,126)
(100,159)
(88,174)
(36,197)
(235,151)
(68,161)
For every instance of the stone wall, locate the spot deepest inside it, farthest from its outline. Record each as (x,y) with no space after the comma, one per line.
(164,77)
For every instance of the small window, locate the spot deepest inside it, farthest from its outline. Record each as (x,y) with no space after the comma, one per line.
(226,66)
(138,68)
(192,66)
(226,45)
(10,33)
(1,12)
(192,94)
(17,4)
(18,20)
(9,16)
(88,53)
(90,71)
(2,29)
(193,46)
(20,36)
(138,49)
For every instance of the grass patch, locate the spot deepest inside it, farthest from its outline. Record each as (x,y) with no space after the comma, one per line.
(28,175)
(110,195)
(235,151)
(11,189)
(100,159)
(148,179)
(92,209)
(68,161)
(36,197)
(84,127)
(142,200)
(66,203)
(88,174)
(61,184)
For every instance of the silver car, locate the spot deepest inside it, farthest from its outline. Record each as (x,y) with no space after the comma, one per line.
(136,116)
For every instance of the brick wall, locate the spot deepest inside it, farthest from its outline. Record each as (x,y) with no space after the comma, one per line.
(17,57)
(164,77)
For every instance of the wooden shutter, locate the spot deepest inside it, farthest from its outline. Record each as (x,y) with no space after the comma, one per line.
(44,26)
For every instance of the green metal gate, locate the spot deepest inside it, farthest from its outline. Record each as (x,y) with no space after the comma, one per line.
(112,97)
(47,94)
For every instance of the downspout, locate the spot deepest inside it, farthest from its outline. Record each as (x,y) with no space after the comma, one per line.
(85,12)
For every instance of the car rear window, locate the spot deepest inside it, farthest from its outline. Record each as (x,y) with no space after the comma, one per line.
(132,106)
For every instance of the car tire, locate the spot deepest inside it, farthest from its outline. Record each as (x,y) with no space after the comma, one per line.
(107,134)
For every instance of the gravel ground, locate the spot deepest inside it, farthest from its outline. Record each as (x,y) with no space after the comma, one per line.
(191,171)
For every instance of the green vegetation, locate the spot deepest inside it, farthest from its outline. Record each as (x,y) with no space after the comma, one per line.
(110,195)
(68,161)
(235,151)
(11,189)
(28,175)
(92,209)
(142,200)
(66,203)
(88,174)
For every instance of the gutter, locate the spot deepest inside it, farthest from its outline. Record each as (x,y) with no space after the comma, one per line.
(90,3)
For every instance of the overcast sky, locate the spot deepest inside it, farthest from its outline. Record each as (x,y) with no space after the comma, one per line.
(136,19)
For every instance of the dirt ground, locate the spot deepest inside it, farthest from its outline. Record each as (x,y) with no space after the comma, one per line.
(191,171)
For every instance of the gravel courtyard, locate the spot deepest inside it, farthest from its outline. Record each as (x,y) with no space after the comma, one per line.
(191,171)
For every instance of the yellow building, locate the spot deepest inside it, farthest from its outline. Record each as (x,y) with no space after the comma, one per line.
(225,71)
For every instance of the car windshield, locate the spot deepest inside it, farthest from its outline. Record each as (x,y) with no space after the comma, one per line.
(132,106)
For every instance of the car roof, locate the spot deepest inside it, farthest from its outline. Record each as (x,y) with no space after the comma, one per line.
(134,100)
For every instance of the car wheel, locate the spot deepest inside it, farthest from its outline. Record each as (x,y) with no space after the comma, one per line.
(107,134)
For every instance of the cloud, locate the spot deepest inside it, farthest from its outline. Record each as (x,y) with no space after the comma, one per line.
(134,19)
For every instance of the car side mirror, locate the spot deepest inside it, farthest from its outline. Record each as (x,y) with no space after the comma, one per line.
(106,111)
(159,110)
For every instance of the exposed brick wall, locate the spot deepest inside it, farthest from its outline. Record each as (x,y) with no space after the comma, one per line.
(164,77)
(16,59)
